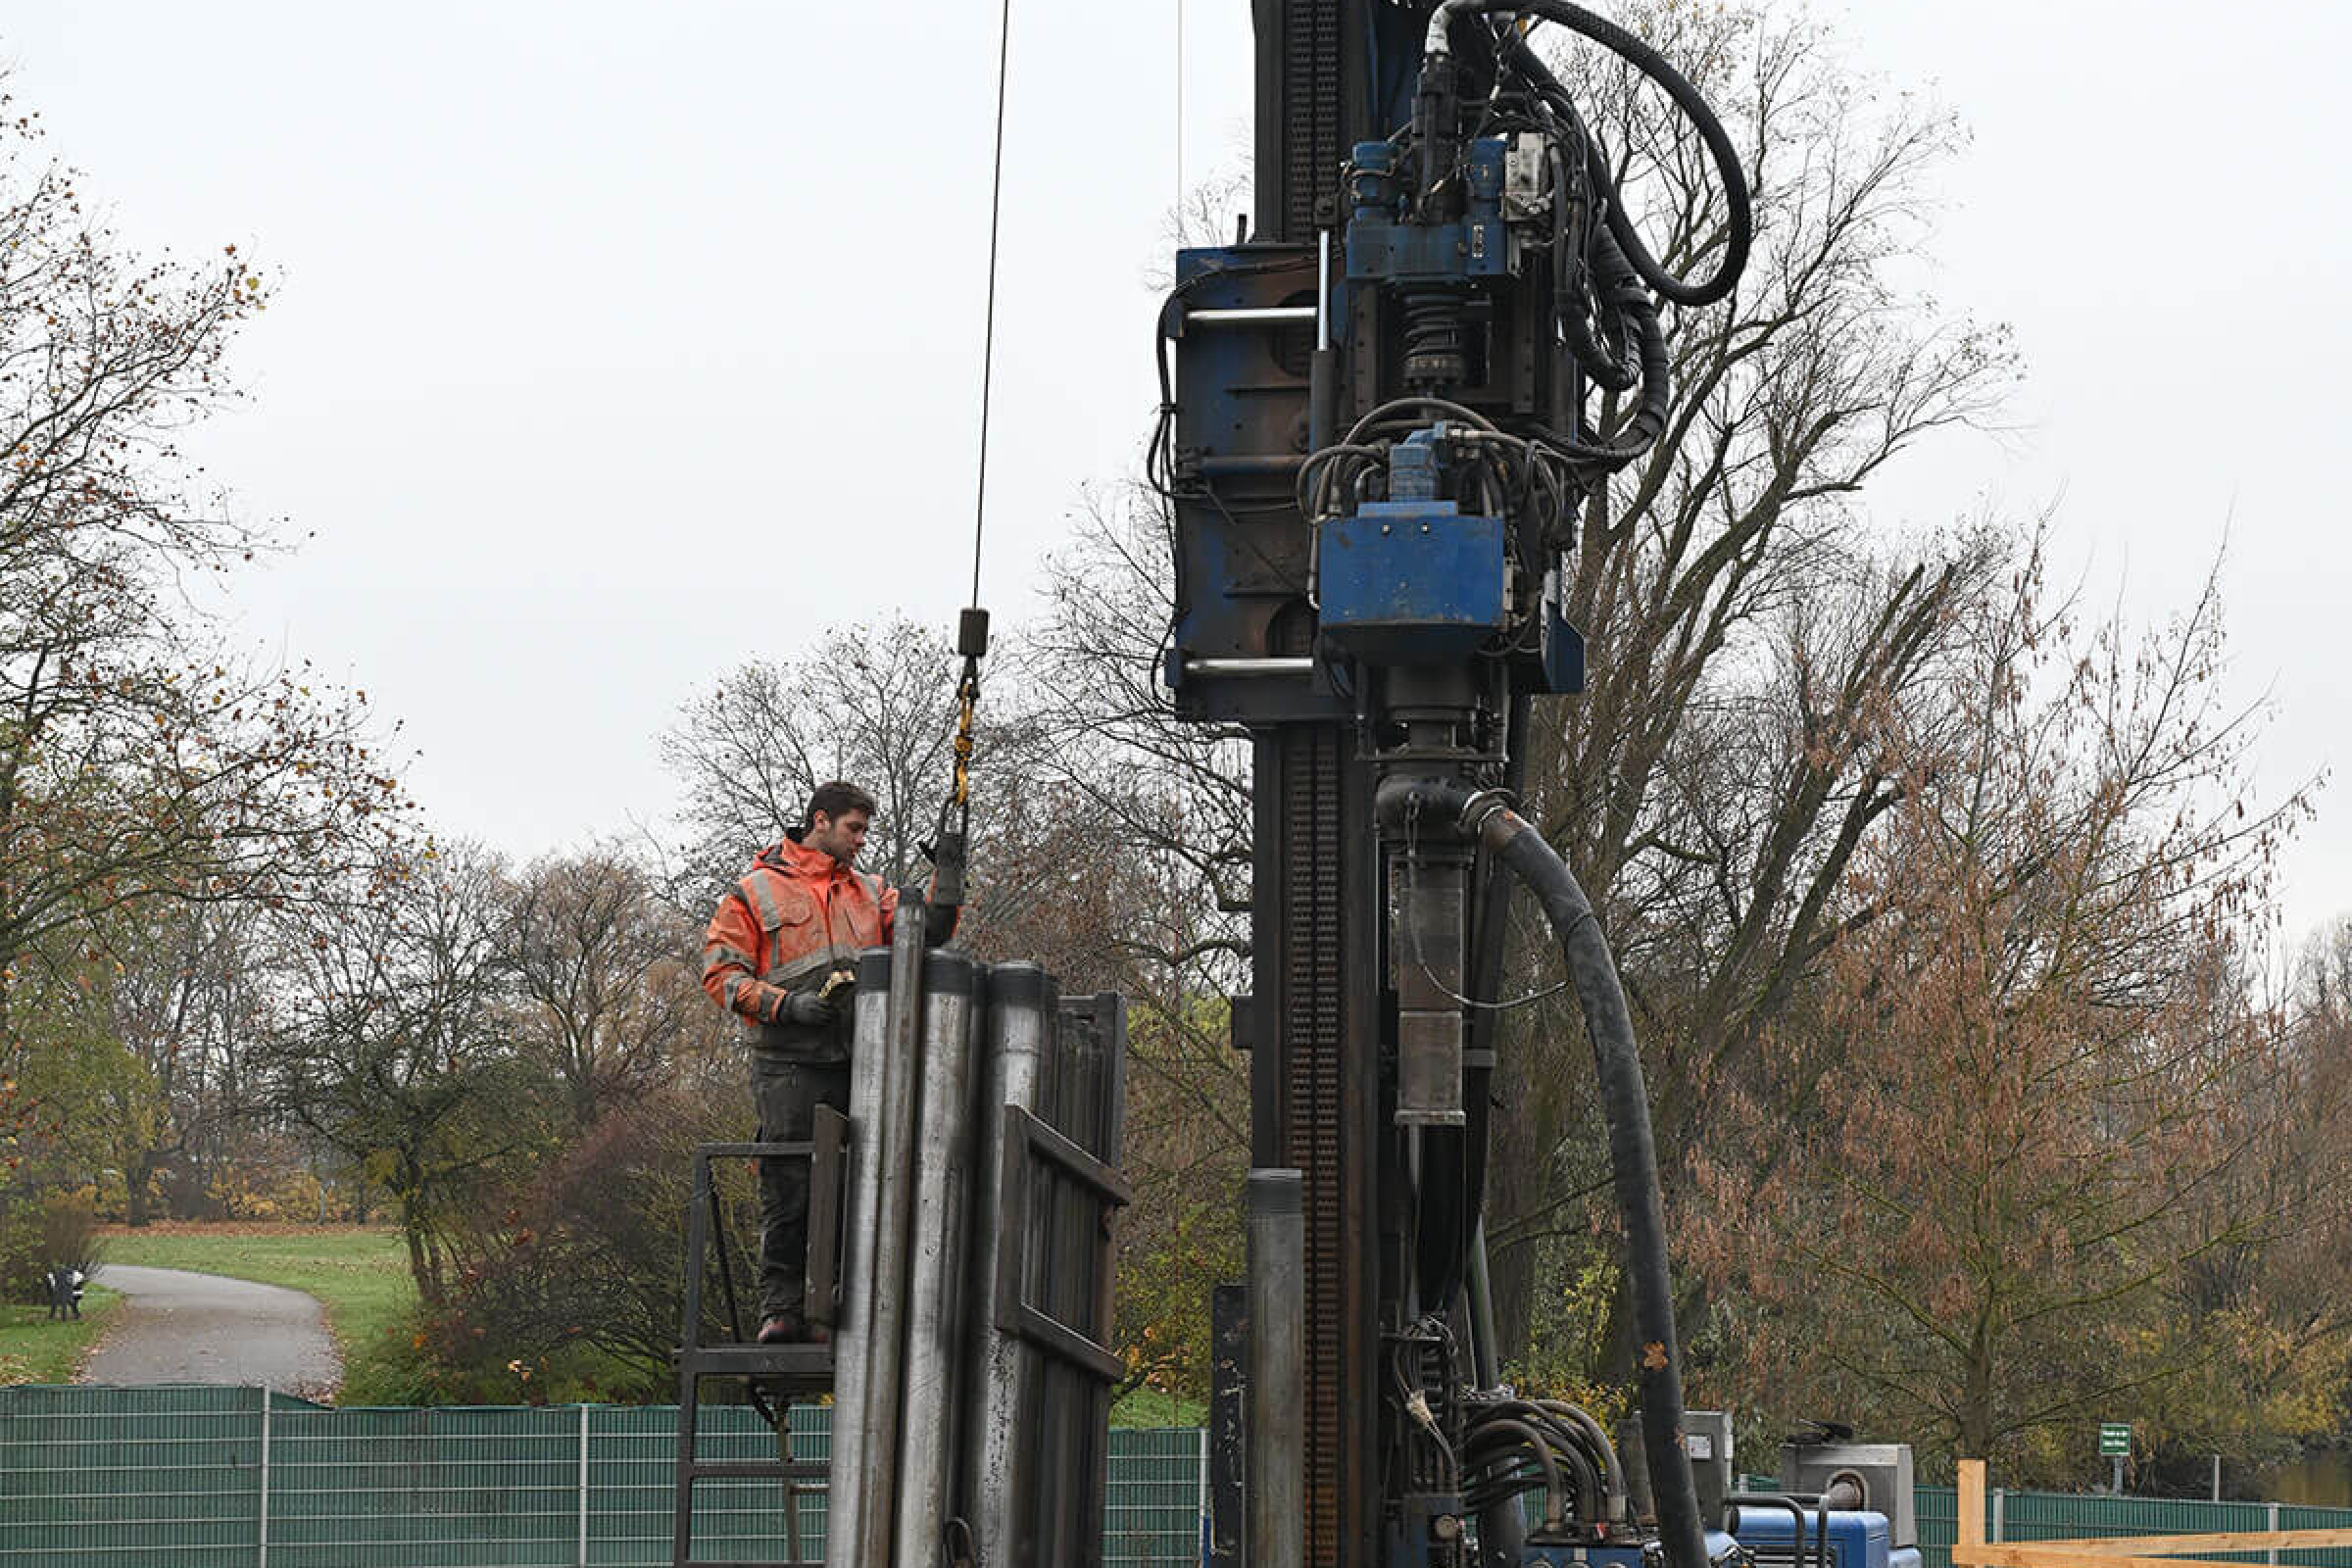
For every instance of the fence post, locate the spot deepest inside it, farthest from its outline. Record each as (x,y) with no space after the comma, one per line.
(584,1486)
(1201,1493)
(1969,1528)
(2000,1510)
(2272,1556)
(263,1540)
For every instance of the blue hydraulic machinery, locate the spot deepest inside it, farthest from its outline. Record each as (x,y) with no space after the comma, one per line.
(1384,411)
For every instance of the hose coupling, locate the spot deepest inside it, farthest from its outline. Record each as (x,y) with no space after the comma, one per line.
(1399,803)
(1481,809)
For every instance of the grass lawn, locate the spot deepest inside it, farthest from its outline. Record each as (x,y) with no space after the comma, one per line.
(359,1273)
(1149,1407)
(33,1350)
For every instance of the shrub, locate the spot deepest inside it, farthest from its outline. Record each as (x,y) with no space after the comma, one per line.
(571,1281)
(55,1230)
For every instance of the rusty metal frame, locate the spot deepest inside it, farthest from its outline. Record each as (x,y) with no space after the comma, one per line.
(1028,1146)
(828,1178)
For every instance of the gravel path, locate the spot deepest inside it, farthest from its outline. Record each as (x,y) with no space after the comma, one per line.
(178,1327)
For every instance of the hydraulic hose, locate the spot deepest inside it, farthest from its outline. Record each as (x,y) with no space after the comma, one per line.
(1605,1454)
(1510,841)
(1642,57)
(1526,1437)
(1619,223)
(1623,293)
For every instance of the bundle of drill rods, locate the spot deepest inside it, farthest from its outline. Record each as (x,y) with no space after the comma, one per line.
(952,1426)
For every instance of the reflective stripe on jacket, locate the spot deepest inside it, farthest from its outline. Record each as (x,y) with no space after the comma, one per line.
(794,917)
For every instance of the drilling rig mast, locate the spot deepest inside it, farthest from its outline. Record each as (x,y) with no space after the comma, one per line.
(1379,422)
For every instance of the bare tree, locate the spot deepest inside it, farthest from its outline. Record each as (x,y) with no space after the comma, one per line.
(875,706)
(136,759)
(606,975)
(2030,1067)
(185,998)
(1747,633)
(391,1041)
(1169,801)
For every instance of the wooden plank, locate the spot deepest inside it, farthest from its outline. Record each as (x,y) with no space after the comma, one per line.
(2219,1541)
(1972,1508)
(2041,1554)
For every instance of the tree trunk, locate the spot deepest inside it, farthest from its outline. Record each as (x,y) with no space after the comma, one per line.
(424,1262)
(136,1210)
(1975,1432)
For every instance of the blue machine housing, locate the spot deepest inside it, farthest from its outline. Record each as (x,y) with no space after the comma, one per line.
(1856,1538)
(1243,569)
(1382,248)
(1411,582)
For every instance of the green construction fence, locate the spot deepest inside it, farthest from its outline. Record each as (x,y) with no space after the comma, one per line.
(201,1477)
(2064,1515)
(189,1477)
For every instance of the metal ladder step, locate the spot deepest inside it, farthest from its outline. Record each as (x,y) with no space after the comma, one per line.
(755,1470)
(807,1368)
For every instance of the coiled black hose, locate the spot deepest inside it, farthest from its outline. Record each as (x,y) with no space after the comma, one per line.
(1513,843)
(1741,235)
(1599,346)
(1498,1429)
(1621,291)
(1501,1441)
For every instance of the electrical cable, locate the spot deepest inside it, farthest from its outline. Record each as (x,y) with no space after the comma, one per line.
(971,640)
(1413,826)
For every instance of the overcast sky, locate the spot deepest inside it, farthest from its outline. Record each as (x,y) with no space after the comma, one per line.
(615,345)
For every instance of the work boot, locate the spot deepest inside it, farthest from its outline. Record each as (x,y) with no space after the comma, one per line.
(780,1328)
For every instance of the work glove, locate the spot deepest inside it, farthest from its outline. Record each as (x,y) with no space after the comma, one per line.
(947,853)
(807,1009)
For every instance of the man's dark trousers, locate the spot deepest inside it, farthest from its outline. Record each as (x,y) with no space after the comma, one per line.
(793,1072)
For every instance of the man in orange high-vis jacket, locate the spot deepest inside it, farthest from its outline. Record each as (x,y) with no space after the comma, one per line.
(778,957)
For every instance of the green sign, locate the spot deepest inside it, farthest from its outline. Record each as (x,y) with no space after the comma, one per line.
(2115,1438)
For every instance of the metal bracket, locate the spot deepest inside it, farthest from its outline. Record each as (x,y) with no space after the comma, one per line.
(828,1176)
(1031,1146)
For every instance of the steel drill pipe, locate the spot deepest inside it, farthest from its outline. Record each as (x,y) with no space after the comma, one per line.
(892,1134)
(1421,804)
(1276,1412)
(872,1053)
(937,1290)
